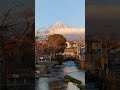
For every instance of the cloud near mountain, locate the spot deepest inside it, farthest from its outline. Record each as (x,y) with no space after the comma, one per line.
(68,31)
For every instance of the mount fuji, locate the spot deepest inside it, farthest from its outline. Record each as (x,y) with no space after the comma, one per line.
(68,32)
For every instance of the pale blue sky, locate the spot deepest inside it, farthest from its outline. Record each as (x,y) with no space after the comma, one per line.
(70,12)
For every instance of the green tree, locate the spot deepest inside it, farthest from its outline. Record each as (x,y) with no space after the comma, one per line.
(56,43)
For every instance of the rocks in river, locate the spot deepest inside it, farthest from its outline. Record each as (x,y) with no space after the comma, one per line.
(57,85)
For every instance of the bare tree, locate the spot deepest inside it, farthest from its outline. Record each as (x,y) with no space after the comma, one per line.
(9,25)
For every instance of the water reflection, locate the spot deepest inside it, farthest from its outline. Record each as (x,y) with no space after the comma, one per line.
(71,86)
(43,84)
(67,68)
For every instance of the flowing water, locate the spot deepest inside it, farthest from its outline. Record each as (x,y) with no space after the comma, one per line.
(52,81)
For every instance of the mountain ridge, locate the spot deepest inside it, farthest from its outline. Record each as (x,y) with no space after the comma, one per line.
(61,28)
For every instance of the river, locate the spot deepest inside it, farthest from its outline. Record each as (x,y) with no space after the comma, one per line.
(52,81)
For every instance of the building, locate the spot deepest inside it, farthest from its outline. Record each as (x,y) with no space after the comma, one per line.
(72,49)
(72,44)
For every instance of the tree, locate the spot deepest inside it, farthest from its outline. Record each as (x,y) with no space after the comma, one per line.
(7,23)
(39,44)
(18,25)
(56,43)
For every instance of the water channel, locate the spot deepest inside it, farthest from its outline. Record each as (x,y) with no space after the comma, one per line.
(66,68)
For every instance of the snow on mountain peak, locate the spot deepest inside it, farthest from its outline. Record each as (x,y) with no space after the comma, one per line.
(58,25)
(61,28)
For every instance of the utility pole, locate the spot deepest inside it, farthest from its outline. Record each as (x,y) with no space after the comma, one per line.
(107,40)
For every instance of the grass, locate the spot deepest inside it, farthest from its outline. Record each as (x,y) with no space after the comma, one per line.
(76,82)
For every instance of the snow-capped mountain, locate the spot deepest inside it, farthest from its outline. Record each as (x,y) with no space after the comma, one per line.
(58,25)
(61,28)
